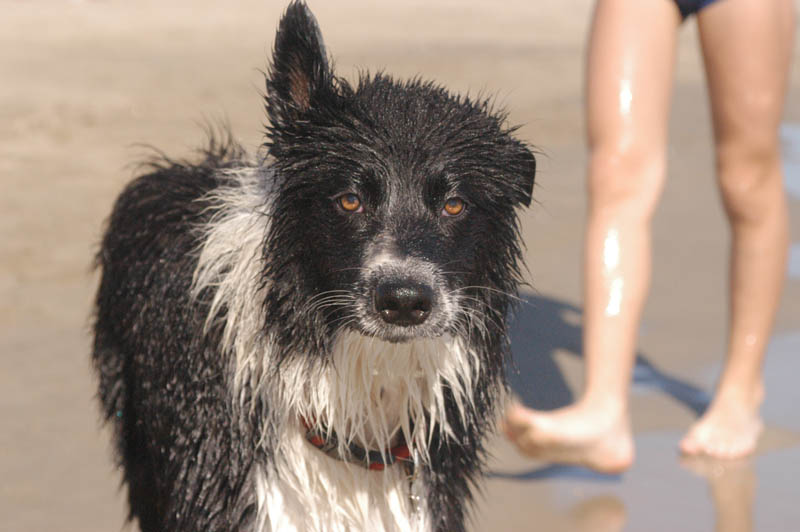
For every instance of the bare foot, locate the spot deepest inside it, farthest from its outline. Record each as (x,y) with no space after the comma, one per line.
(729,429)
(581,434)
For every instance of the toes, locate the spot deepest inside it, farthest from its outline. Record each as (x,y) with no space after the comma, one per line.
(503,428)
(526,442)
(516,421)
(732,451)
(689,445)
(722,446)
(719,450)
(516,416)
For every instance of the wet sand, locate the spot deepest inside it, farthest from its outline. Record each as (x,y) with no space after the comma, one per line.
(83,82)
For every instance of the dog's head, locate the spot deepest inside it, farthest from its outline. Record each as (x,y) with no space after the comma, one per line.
(394,214)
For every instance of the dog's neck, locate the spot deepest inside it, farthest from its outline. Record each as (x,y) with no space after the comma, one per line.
(385,401)
(375,460)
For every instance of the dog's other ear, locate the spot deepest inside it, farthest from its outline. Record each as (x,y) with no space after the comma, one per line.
(299,69)
(524,166)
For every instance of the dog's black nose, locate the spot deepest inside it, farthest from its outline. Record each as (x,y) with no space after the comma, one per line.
(403,303)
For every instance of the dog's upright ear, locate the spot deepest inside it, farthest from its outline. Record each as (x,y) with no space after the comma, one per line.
(299,72)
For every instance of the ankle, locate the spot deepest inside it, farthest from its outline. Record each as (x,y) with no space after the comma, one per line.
(605,405)
(741,392)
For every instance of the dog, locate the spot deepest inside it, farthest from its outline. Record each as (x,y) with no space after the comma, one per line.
(315,339)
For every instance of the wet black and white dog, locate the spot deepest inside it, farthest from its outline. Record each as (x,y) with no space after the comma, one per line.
(315,341)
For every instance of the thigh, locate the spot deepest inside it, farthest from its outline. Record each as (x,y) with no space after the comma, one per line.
(747,47)
(631,57)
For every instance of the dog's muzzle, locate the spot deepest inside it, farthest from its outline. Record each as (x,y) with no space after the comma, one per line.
(401,297)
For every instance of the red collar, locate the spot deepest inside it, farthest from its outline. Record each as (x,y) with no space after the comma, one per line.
(369,459)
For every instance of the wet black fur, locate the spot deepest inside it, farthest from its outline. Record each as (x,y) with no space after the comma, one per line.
(185,449)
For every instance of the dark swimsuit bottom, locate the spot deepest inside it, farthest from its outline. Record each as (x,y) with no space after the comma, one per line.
(689,7)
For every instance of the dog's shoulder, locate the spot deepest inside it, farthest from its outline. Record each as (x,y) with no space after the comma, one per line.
(158,209)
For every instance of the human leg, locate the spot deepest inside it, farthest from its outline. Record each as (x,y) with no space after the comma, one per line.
(747,47)
(629,81)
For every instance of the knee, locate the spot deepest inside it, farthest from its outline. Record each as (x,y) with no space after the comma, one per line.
(625,179)
(749,174)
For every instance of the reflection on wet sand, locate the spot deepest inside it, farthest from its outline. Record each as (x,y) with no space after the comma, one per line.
(603,513)
(732,485)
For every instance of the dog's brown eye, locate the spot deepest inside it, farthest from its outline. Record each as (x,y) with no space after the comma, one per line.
(349,202)
(453,207)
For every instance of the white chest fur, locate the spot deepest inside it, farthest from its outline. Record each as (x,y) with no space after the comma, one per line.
(309,491)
